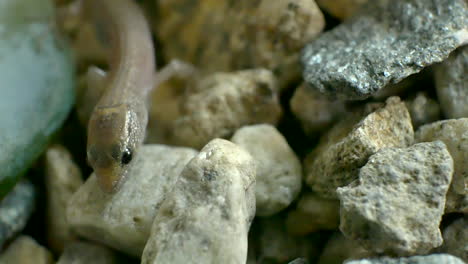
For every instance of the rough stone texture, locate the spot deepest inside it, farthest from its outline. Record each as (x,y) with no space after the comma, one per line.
(430,259)
(15,209)
(87,253)
(234,35)
(207,217)
(454,133)
(24,250)
(388,41)
(221,103)
(314,110)
(396,205)
(341,9)
(423,109)
(279,171)
(313,213)
(456,239)
(347,146)
(123,220)
(63,178)
(451,79)
(339,248)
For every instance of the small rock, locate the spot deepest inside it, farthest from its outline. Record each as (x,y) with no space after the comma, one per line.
(388,41)
(63,178)
(223,102)
(123,220)
(24,250)
(339,248)
(15,210)
(454,133)
(341,9)
(347,146)
(236,35)
(299,261)
(207,217)
(423,109)
(87,253)
(314,110)
(456,239)
(430,259)
(279,171)
(313,213)
(397,203)
(451,79)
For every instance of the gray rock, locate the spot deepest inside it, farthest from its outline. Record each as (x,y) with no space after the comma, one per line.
(454,133)
(349,143)
(207,217)
(15,210)
(456,239)
(24,250)
(430,259)
(123,220)
(388,41)
(423,109)
(279,171)
(63,178)
(339,248)
(397,203)
(451,79)
(87,253)
(299,261)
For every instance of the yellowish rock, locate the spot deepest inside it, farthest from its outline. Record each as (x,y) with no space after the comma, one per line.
(24,250)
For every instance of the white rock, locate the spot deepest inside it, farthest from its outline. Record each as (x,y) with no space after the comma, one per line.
(87,253)
(279,171)
(207,217)
(24,250)
(123,220)
(430,259)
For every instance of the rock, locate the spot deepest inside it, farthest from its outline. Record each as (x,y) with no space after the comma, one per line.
(313,213)
(396,205)
(15,210)
(451,84)
(423,109)
(456,239)
(30,48)
(385,43)
(299,261)
(123,220)
(347,146)
(339,248)
(63,178)
(223,102)
(87,253)
(341,9)
(454,133)
(24,250)
(314,110)
(229,36)
(430,259)
(207,217)
(279,171)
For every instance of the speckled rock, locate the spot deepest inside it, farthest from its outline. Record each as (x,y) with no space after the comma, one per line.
(313,213)
(314,110)
(63,178)
(207,217)
(430,259)
(15,209)
(221,103)
(87,253)
(227,36)
(339,248)
(396,205)
(423,109)
(388,41)
(451,78)
(350,142)
(454,133)
(123,220)
(341,9)
(24,250)
(279,171)
(456,239)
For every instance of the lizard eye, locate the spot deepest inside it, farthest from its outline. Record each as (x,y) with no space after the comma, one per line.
(126,156)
